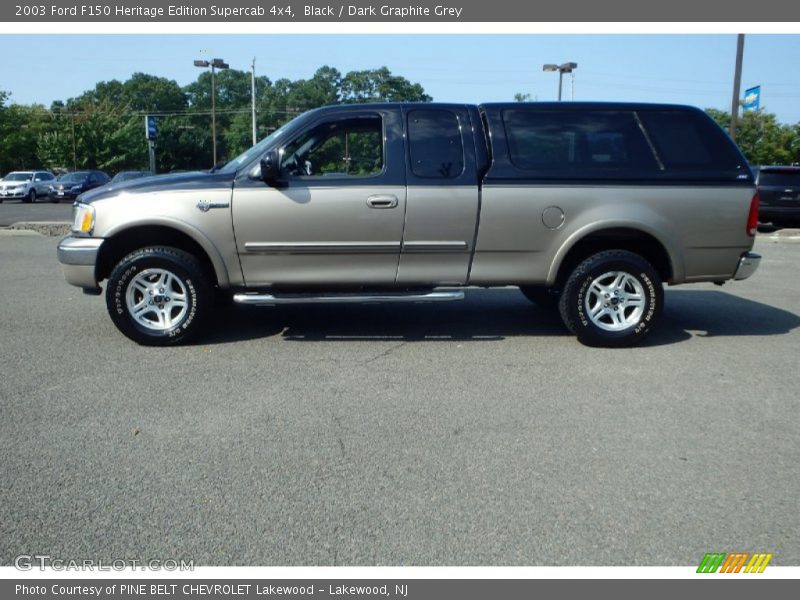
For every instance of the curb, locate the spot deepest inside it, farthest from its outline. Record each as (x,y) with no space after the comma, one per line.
(782,235)
(48,228)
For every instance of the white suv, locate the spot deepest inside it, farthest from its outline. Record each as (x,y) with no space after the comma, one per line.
(27,185)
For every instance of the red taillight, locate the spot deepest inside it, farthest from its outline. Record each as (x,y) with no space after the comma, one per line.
(752,218)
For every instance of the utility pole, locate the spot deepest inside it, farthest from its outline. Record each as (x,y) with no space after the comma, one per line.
(253,97)
(213,117)
(74,153)
(737,82)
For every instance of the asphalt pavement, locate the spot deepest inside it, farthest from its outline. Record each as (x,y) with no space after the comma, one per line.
(467,433)
(15,211)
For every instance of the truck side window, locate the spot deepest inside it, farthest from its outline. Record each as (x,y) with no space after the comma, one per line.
(341,148)
(593,143)
(435,144)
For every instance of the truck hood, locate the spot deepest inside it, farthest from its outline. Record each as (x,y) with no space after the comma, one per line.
(195,180)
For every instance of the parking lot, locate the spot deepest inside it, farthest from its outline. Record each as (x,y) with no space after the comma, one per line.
(460,434)
(14,211)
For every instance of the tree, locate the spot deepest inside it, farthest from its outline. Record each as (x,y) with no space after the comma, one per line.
(761,138)
(520,97)
(379,85)
(104,126)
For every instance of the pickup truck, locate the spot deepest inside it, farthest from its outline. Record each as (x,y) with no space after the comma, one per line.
(587,207)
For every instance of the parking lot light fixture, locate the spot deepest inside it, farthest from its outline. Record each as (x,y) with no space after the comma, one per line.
(568,67)
(216,63)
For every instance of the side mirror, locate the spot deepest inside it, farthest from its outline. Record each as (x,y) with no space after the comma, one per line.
(270,167)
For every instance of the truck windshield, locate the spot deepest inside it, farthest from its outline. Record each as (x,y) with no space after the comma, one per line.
(257,150)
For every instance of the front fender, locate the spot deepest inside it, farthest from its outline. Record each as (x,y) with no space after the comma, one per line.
(214,254)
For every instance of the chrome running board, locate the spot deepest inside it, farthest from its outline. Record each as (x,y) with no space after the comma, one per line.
(269,299)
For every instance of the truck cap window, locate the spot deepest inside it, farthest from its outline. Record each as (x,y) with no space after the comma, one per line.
(351,147)
(587,144)
(688,141)
(435,144)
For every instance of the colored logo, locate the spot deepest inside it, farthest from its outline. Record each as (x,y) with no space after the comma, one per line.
(735,562)
(752,98)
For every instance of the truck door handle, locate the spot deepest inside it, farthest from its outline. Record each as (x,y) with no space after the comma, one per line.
(382,201)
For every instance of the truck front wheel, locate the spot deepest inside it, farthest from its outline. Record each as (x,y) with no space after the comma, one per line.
(159,296)
(612,299)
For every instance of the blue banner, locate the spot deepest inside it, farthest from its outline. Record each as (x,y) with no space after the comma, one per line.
(752,98)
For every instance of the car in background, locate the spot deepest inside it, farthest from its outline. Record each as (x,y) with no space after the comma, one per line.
(70,185)
(26,185)
(779,194)
(128,175)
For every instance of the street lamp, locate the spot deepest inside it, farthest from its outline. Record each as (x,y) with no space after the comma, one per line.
(565,68)
(216,63)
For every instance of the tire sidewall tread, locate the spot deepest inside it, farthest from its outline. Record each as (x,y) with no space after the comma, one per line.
(179,262)
(572,306)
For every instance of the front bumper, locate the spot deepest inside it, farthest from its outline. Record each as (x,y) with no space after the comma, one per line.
(748,263)
(13,194)
(78,256)
(57,195)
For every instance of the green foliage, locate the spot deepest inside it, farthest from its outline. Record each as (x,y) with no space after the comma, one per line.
(762,139)
(104,127)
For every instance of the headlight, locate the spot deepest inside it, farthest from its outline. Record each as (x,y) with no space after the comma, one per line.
(50,188)
(83,218)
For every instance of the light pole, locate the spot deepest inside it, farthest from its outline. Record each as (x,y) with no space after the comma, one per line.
(737,82)
(565,68)
(253,97)
(216,63)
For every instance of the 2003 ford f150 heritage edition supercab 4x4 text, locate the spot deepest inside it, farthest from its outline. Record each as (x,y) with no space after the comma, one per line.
(587,206)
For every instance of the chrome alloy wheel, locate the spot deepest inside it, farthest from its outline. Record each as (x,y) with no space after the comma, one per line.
(615,301)
(157,299)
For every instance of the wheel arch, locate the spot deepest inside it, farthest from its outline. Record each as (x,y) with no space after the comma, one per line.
(122,240)
(633,236)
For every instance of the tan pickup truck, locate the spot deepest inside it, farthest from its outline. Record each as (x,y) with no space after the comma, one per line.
(589,207)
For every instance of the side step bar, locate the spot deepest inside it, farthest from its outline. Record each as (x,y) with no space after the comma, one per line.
(269,299)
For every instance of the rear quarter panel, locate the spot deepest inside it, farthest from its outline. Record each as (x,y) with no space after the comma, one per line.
(702,228)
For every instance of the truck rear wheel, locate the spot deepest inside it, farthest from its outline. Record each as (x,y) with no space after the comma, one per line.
(612,299)
(159,296)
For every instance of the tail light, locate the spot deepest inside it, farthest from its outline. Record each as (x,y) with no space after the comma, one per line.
(752,218)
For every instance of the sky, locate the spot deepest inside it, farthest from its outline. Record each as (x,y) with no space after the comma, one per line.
(688,69)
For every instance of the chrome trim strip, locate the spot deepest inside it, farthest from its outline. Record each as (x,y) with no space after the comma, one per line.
(434,246)
(322,247)
(78,251)
(269,299)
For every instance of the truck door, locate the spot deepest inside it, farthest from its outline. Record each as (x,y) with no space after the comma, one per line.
(443,197)
(337,215)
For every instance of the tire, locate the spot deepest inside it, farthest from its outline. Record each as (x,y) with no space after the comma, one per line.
(31,197)
(624,291)
(180,291)
(542,296)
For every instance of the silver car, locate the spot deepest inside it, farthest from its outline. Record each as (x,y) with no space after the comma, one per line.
(26,185)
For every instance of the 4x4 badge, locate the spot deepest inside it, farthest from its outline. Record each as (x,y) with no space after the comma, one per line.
(206,206)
